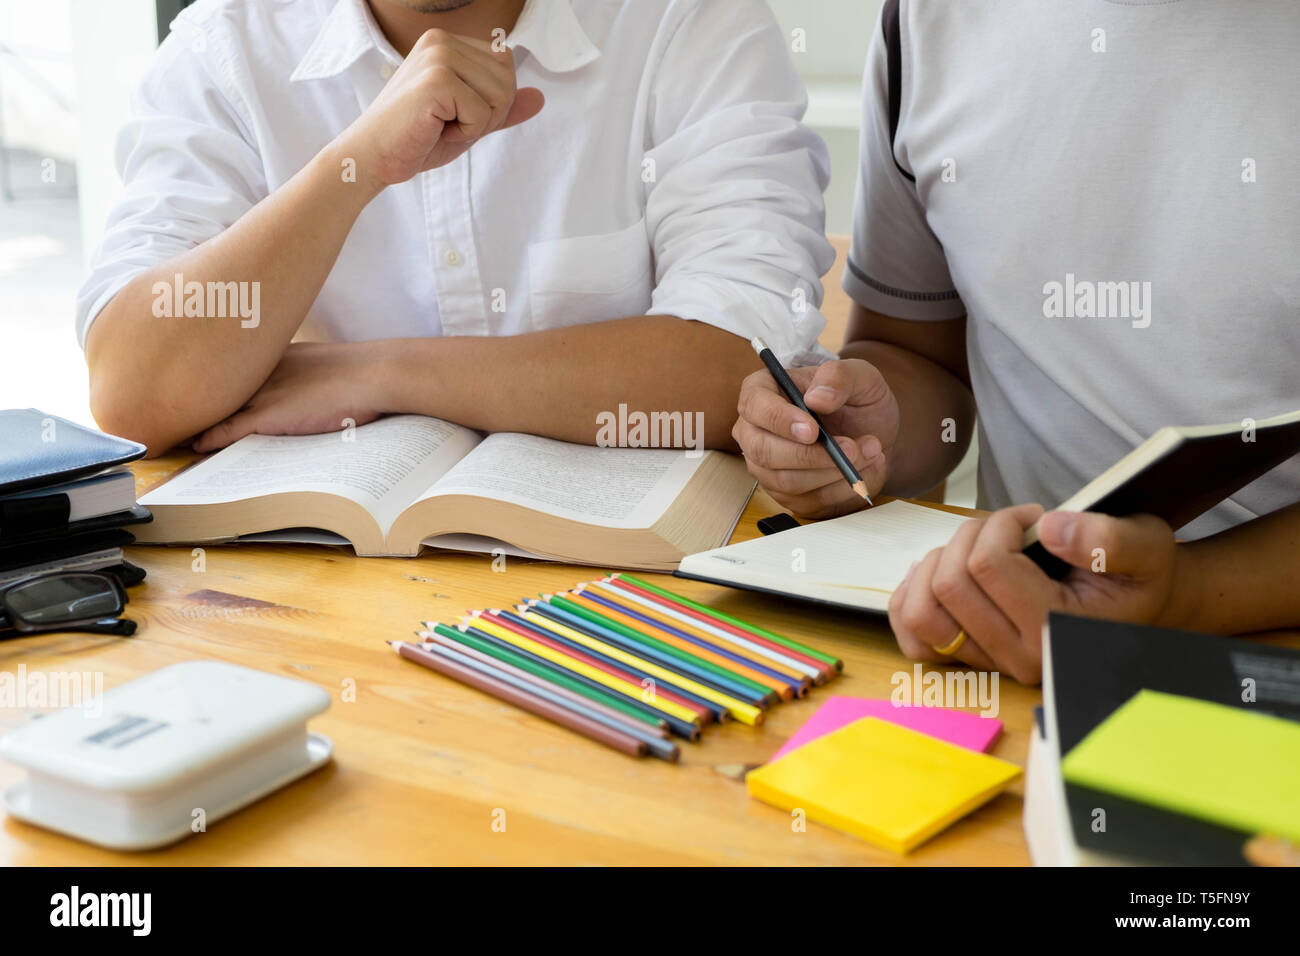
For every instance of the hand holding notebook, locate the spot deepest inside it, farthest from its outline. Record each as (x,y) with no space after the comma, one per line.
(858,560)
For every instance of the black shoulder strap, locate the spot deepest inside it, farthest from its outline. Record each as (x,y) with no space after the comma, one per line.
(894,79)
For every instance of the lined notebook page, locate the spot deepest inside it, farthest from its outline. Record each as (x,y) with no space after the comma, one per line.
(846,560)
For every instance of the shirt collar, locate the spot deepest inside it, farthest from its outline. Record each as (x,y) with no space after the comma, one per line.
(348,33)
(550,31)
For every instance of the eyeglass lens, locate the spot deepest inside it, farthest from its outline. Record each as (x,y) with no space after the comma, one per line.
(71,597)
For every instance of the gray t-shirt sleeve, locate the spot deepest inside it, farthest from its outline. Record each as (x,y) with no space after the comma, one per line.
(896,264)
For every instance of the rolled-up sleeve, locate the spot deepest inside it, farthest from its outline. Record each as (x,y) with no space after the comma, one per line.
(896,264)
(187,163)
(735,211)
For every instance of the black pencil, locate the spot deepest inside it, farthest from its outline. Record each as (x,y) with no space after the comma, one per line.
(796,398)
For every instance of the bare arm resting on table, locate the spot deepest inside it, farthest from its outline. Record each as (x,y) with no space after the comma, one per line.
(554,382)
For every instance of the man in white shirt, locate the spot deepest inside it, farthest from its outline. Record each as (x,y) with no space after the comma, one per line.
(513,215)
(1017,155)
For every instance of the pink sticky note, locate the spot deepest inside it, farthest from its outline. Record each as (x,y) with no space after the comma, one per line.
(955,726)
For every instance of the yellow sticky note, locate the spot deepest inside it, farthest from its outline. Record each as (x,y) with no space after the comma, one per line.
(887,784)
(1223,764)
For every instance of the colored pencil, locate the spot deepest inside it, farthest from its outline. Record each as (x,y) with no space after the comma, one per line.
(640,652)
(785,675)
(655,744)
(678,662)
(746,713)
(625,702)
(623,662)
(481,657)
(683,722)
(735,622)
(534,673)
(787,662)
(665,750)
(724,657)
(533,703)
(630,688)
(734,684)
(681,686)
(610,666)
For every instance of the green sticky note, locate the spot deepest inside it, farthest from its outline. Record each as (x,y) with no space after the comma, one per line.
(1223,764)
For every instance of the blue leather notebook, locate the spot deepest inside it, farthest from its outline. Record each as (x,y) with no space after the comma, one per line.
(45,463)
(38,450)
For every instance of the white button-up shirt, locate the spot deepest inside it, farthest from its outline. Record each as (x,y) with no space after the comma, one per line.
(668,174)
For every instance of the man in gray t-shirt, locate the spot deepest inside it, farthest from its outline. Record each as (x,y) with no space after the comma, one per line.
(1085,216)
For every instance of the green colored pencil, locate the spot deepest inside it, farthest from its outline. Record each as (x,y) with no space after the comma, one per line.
(756,692)
(735,621)
(553,674)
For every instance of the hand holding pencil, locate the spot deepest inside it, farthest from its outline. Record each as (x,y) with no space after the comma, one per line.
(783,444)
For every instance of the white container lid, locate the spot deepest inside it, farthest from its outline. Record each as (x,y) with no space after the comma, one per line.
(160,758)
(166,728)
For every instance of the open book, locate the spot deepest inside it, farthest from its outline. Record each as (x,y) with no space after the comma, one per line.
(398,484)
(853,562)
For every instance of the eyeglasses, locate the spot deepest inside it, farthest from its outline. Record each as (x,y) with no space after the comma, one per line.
(64,601)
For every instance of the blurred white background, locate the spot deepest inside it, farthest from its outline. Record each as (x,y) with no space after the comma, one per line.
(67,68)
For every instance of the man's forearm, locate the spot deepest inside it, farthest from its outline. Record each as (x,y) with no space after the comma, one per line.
(160,379)
(936,416)
(557,382)
(1241,580)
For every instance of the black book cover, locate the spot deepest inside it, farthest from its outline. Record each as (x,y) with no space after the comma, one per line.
(1098,665)
(12,534)
(19,556)
(1191,479)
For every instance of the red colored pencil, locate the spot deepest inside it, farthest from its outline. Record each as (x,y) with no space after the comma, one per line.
(541,637)
(827,671)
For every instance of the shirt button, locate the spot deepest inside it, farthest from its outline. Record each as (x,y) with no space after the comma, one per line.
(386,70)
(453,258)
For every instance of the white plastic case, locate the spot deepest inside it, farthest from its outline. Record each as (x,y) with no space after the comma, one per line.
(129,773)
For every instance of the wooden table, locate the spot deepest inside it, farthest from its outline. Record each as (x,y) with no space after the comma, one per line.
(423,765)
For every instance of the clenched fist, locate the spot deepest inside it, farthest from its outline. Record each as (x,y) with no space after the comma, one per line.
(449,92)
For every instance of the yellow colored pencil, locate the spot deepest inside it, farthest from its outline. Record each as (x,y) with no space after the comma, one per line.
(580,667)
(768,656)
(774,687)
(799,679)
(739,709)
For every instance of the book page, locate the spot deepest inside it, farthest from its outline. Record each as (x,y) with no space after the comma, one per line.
(479,544)
(611,487)
(868,550)
(383,466)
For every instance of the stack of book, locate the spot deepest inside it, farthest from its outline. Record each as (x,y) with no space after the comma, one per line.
(66,497)
(1163,747)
